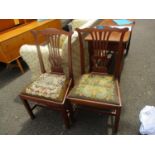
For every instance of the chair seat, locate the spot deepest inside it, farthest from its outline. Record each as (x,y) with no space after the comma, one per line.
(50,86)
(96,87)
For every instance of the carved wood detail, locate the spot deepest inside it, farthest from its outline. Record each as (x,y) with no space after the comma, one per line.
(99,51)
(51,38)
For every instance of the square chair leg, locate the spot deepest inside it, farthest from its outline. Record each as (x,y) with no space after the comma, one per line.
(28,108)
(117,119)
(66,118)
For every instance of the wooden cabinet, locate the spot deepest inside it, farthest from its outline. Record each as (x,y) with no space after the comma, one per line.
(13,39)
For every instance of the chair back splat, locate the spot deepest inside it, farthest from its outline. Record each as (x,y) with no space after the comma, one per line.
(100,55)
(51,38)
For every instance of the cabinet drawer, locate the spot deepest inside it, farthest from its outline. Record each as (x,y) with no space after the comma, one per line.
(12,43)
(27,38)
(14,54)
(11,55)
(17,42)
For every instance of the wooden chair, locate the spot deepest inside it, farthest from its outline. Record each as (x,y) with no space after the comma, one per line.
(50,89)
(98,89)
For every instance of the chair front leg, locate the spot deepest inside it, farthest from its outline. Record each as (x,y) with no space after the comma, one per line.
(66,118)
(71,113)
(28,108)
(117,119)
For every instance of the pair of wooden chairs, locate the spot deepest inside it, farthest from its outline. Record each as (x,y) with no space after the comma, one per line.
(96,89)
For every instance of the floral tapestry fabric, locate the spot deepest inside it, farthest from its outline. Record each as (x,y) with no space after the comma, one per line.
(96,87)
(51,86)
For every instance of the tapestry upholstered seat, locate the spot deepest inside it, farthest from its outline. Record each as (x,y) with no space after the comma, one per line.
(50,86)
(97,88)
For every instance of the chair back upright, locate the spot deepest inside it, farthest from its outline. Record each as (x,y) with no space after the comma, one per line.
(51,38)
(100,55)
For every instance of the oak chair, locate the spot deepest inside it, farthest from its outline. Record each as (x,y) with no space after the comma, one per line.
(98,89)
(51,88)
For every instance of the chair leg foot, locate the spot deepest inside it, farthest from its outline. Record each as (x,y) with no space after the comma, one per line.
(66,118)
(29,110)
(117,119)
(71,113)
